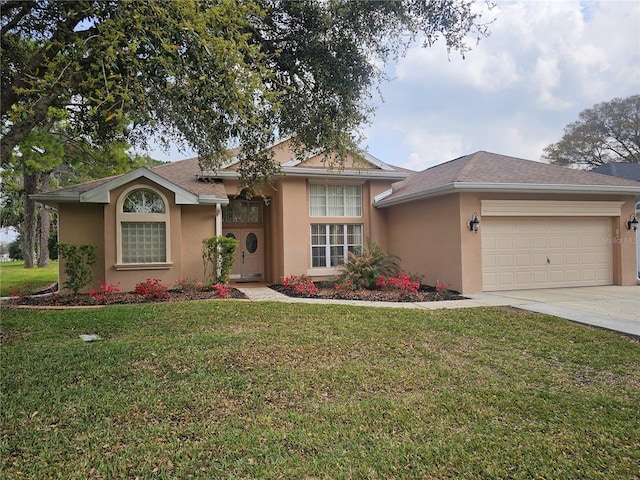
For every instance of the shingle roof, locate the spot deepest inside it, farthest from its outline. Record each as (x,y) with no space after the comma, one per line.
(489,169)
(182,174)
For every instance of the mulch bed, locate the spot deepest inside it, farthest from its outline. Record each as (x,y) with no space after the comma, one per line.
(85,300)
(327,290)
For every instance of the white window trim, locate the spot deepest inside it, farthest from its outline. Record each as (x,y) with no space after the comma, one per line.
(327,196)
(122,217)
(328,245)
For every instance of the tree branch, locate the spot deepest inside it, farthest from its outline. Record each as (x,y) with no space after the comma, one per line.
(53,46)
(19,130)
(26,7)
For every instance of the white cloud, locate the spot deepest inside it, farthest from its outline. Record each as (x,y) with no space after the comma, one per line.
(544,62)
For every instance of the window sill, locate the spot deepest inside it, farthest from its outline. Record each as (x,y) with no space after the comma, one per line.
(322,272)
(143,266)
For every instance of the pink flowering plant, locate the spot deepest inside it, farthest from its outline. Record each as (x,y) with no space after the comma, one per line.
(301,285)
(104,291)
(221,290)
(152,288)
(401,282)
(442,289)
(16,292)
(188,285)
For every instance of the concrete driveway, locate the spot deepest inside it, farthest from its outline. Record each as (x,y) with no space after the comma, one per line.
(611,307)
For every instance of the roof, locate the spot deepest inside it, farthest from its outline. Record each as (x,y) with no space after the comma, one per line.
(193,186)
(630,171)
(315,164)
(179,177)
(490,172)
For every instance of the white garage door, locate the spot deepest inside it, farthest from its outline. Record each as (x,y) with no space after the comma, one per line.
(544,252)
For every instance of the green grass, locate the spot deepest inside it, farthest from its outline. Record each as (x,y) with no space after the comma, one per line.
(14,277)
(231,389)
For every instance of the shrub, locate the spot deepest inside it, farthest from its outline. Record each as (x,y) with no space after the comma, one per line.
(364,270)
(401,282)
(78,260)
(17,292)
(104,291)
(442,289)
(222,291)
(187,285)
(217,256)
(15,250)
(152,288)
(300,285)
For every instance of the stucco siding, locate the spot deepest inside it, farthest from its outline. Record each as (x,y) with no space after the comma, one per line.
(198,223)
(295,226)
(426,235)
(82,225)
(129,278)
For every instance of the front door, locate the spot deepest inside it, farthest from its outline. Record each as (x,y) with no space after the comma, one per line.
(248,263)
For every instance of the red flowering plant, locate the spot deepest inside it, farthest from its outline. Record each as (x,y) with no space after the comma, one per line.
(442,289)
(104,291)
(17,292)
(188,285)
(402,281)
(300,285)
(152,288)
(222,291)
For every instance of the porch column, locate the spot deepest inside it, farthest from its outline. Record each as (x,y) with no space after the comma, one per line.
(218,219)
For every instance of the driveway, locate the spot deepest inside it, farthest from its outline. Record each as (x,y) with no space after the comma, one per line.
(611,307)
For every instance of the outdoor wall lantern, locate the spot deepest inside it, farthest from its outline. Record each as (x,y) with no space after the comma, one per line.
(632,223)
(473,224)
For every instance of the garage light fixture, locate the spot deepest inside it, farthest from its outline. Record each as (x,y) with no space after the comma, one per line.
(632,223)
(473,224)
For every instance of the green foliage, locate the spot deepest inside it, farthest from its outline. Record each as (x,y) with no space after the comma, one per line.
(217,256)
(15,250)
(211,74)
(604,133)
(78,260)
(364,270)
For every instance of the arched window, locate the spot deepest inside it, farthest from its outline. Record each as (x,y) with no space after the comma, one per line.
(143,226)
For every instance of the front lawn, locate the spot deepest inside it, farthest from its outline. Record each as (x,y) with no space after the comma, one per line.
(231,389)
(17,280)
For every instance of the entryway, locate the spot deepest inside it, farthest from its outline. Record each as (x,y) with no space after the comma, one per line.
(248,265)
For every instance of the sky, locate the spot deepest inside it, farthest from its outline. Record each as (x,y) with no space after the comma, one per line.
(543,63)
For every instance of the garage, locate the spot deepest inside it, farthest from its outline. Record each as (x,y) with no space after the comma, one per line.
(546,252)
(487,222)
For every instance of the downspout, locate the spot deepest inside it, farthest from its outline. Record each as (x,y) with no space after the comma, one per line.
(218,231)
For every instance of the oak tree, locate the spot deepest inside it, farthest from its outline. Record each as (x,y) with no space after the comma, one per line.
(607,132)
(211,74)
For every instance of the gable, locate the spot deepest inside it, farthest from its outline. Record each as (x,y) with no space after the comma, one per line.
(99,191)
(315,163)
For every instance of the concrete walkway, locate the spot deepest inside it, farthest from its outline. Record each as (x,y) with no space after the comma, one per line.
(610,307)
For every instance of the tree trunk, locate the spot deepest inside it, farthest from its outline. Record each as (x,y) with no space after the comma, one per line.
(45,223)
(30,224)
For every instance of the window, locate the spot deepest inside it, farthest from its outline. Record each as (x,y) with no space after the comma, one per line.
(331,244)
(335,200)
(243,211)
(142,227)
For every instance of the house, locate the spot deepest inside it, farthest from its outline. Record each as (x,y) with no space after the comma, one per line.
(630,171)
(478,223)
(149,223)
